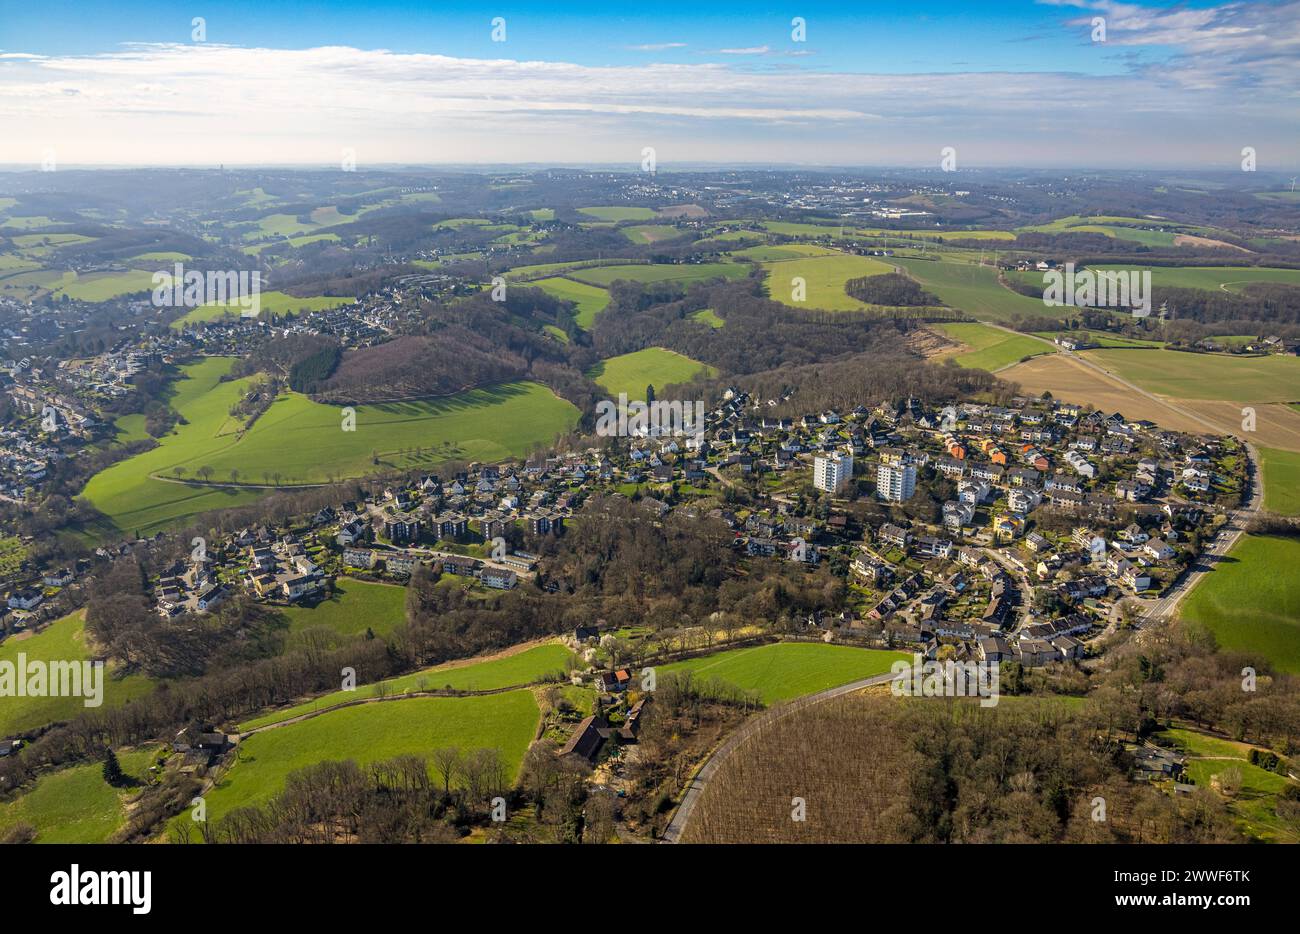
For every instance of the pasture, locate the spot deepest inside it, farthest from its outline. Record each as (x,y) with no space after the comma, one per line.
(491,673)
(589,300)
(786,670)
(616,213)
(972,288)
(75,804)
(371,732)
(1251,601)
(990,349)
(654,366)
(354,607)
(668,272)
(300,441)
(824,278)
(62,640)
(1213,278)
(1281,470)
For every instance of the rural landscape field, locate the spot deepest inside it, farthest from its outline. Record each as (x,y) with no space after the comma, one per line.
(847,426)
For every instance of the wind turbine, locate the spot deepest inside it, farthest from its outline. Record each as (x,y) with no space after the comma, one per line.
(1293,183)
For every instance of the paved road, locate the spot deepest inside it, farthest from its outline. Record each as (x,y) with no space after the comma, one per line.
(1229,534)
(1231,531)
(695,788)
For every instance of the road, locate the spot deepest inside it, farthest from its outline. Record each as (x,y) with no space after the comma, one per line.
(703,775)
(1229,534)
(1231,531)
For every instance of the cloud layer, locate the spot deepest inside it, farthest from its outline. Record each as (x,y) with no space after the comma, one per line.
(1218,79)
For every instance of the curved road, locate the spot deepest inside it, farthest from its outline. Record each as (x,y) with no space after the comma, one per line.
(700,780)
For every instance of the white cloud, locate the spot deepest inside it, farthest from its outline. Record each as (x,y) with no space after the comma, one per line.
(207,103)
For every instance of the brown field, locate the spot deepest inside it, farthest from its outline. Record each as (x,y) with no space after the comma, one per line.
(1190,240)
(683,210)
(1277,426)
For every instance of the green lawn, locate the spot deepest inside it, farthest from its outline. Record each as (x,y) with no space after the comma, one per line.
(589,300)
(991,349)
(76,805)
(354,607)
(303,441)
(972,288)
(1281,470)
(1271,378)
(671,272)
(527,667)
(1251,601)
(371,732)
(61,640)
(633,372)
(786,670)
(824,278)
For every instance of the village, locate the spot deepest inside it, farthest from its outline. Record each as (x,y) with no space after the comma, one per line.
(1003,533)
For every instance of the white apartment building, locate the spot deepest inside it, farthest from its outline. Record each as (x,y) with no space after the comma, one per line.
(895,484)
(832,471)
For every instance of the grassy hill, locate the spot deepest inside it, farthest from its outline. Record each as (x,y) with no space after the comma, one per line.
(62,640)
(371,732)
(303,442)
(654,366)
(786,670)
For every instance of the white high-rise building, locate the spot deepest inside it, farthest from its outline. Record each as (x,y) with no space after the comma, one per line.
(895,484)
(832,471)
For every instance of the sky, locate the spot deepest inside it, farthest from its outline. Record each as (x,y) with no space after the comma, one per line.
(1011,83)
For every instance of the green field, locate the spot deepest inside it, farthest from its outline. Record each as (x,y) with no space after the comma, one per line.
(1281,470)
(824,278)
(1102,339)
(354,607)
(62,640)
(522,668)
(991,349)
(618,213)
(1231,378)
(1251,601)
(76,805)
(708,316)
(276,303)
(786,670)
(1255,805)
(1231,278)
(303,442)
(973,289)
(651,233)
(674,272)
(633,372)
(371,732)
(589,300)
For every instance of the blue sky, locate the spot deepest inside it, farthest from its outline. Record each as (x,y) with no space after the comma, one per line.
(1018,83)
